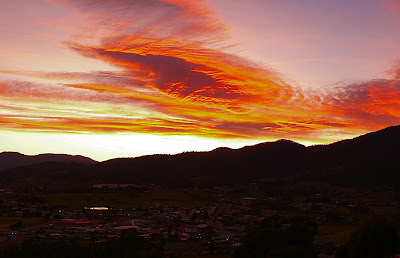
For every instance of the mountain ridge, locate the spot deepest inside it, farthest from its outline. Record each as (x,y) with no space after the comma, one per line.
(10,159)
(365,160)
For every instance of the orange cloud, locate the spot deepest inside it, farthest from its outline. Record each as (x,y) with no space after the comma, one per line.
(178,78)
(373,104)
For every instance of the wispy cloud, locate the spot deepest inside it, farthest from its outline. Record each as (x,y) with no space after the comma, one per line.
(177,76)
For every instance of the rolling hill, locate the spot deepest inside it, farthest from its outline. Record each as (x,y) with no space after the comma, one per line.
(14,159)
(371,159)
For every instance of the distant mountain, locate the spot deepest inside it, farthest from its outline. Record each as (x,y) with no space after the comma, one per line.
(368,160)
(14,159)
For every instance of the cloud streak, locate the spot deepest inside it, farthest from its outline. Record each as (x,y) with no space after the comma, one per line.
(177,75)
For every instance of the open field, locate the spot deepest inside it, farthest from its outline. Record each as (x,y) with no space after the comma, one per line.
(334,233)
(69,200)
(182,249)
(387,211)
(166,197)
(5,222)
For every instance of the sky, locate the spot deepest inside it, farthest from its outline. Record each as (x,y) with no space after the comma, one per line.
(124,78)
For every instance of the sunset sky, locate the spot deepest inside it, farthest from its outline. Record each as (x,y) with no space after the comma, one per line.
(123,78)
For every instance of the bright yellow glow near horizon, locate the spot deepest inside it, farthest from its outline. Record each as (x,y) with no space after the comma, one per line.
(102,147)
(125,78)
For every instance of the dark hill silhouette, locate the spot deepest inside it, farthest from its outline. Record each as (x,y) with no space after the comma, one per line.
(370,158)
(222,165)
(14,159)
(367,160)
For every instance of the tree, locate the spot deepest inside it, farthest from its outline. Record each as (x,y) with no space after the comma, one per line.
(375,238)
(279,236)
(16,226)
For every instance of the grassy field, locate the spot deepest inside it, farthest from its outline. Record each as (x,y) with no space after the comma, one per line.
(5,222)
(186,249)
(236,192)
(341,233)
(387,211)
(182,248)
(166,197)
(69,200)
(15,241)
(334,233)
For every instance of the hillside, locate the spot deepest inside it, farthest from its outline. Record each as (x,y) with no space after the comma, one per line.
(366,160)
(14,159)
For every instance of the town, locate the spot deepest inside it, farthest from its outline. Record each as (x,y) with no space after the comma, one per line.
(208,221)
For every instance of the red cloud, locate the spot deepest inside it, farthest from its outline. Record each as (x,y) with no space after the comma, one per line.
(177,78)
